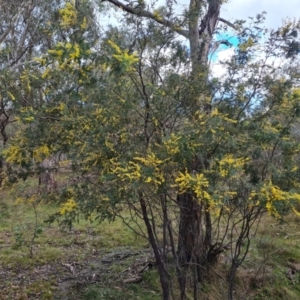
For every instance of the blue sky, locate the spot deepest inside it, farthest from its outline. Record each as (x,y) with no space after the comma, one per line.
(277,10)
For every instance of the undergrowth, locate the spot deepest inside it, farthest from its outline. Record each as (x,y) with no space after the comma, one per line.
(37,259)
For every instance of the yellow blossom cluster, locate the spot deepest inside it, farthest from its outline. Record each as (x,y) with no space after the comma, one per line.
(132,171)
(215,113)
(272,194)
(41,152)
(70,51)
(68,206)
(68,15)
(228,163)
(171,144)
(125,59)
(26,80)
(16,153)
(153,162)
(60,107)
(194,182)
(143,169)
(150,160)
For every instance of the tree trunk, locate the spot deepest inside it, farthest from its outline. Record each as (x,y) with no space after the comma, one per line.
(163,275)
(4,120)
(47,177)
(194,242)
(195,250)
(190,240)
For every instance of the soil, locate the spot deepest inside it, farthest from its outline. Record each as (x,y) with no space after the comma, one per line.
(69,279)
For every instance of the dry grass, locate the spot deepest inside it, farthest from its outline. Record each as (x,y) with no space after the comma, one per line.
(270,271)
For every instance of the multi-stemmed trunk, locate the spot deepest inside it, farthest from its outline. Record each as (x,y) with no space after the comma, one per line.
(194,242)
(194,239)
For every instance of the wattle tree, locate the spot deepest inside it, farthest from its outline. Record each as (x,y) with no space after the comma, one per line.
(146,127)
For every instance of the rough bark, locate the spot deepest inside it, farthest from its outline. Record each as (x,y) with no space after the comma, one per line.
(190,238)
(206,31)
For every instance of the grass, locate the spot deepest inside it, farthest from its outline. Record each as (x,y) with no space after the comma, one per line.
(67,264)
(275,245)
(147,290)
(45,271)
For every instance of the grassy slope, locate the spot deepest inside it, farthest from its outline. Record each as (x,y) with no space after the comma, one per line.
(68,264)
(64,262)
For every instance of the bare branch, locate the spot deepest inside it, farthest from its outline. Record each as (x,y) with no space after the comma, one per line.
(10,27)
(149,15)
(227,23)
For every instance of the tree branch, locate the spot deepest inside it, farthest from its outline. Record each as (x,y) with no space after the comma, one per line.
(10,27)
(144,13)
(227,23)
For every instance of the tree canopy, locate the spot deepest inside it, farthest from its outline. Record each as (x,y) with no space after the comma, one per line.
(147,127)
